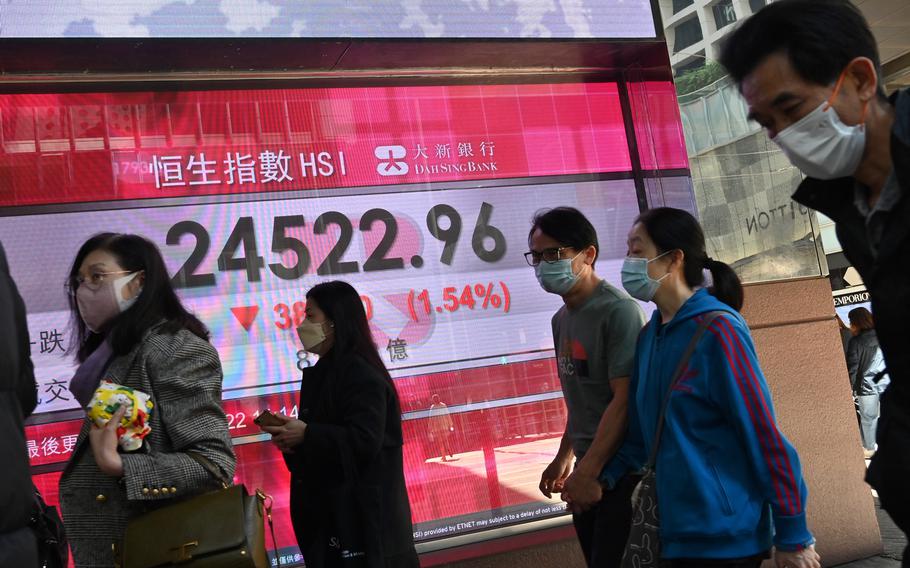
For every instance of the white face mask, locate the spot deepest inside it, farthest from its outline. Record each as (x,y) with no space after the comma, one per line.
(98,307)
(822,146)
(311,334)
(636,280)
(557,277)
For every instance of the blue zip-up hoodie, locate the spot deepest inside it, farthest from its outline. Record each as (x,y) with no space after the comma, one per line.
(728,482)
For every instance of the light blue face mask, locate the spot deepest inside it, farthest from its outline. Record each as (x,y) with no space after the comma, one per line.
(557,277)
(635,278)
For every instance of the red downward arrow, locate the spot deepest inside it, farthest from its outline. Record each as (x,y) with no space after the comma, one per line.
(246,315)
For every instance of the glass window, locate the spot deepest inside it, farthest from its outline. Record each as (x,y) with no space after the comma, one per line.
(757,5)
(742,184)
(688,33)
(658,130)
(680,5)
(724,14)
(743,190)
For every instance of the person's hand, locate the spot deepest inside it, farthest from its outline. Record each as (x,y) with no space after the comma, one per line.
(582,491)
(553,477)
(287,436)
(805,558)
(104,440)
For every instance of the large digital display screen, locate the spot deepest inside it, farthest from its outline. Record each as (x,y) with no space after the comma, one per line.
(421,197)
(604,19)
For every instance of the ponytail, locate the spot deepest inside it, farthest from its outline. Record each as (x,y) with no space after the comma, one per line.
(725,286)
(675,229)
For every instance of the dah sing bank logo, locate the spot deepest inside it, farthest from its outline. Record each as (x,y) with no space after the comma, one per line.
(466,157)
(390,163)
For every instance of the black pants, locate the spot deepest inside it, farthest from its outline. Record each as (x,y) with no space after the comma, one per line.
(751,562)
(604,529)
(889,472)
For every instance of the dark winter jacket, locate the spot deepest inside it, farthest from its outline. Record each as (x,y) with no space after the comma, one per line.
(18,398)
(348,494)
(887,273)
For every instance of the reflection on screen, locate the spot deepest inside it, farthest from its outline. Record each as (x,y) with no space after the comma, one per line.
(604,19)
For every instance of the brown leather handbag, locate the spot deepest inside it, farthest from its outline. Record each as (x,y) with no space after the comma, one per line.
(220,529)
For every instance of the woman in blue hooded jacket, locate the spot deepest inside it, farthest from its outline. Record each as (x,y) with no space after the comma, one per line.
(729,485)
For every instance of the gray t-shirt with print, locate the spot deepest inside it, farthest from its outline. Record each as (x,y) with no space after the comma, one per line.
(595,343)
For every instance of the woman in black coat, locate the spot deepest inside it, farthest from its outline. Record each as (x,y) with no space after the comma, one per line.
(349,504)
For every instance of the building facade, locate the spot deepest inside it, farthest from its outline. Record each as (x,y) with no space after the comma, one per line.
(695,28)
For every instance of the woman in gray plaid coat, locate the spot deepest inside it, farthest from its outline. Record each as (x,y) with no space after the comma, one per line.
(133,331)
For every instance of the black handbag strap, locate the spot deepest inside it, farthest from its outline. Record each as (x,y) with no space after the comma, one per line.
(680,369)
(211,468)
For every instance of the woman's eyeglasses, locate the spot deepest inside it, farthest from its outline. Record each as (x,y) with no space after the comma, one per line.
(93,282)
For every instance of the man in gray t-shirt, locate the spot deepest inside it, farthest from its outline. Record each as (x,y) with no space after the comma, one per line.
(594,334)
(595,344)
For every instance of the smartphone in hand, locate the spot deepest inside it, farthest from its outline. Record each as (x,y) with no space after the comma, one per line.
(266,418)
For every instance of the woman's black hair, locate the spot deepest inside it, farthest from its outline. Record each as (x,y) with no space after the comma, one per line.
(341,304)
(675,229)
(157,301)
(567,226)
(861,318)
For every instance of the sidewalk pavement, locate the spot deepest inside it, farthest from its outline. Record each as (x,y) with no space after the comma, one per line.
(893,540)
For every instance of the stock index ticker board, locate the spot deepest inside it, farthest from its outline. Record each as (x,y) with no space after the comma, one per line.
(421,197)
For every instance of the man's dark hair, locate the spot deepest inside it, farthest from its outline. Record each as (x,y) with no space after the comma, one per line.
(820,37)
(568,226)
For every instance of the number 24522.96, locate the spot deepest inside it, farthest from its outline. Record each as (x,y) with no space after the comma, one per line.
(244,235)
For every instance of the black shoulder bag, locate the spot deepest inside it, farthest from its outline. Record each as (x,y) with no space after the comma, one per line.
(53,551)
(643,546)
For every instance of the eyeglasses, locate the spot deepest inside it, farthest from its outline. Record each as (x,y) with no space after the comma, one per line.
(93,282)
(549,255)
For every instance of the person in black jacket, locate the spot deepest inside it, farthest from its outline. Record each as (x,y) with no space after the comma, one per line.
(811,76)
(349,503)
(845,334)
(18,398)
(866,367)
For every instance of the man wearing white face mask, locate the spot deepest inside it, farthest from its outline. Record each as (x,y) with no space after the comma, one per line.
(810,73)
(594,334)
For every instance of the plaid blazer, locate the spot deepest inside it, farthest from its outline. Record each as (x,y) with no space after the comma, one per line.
(182,374)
